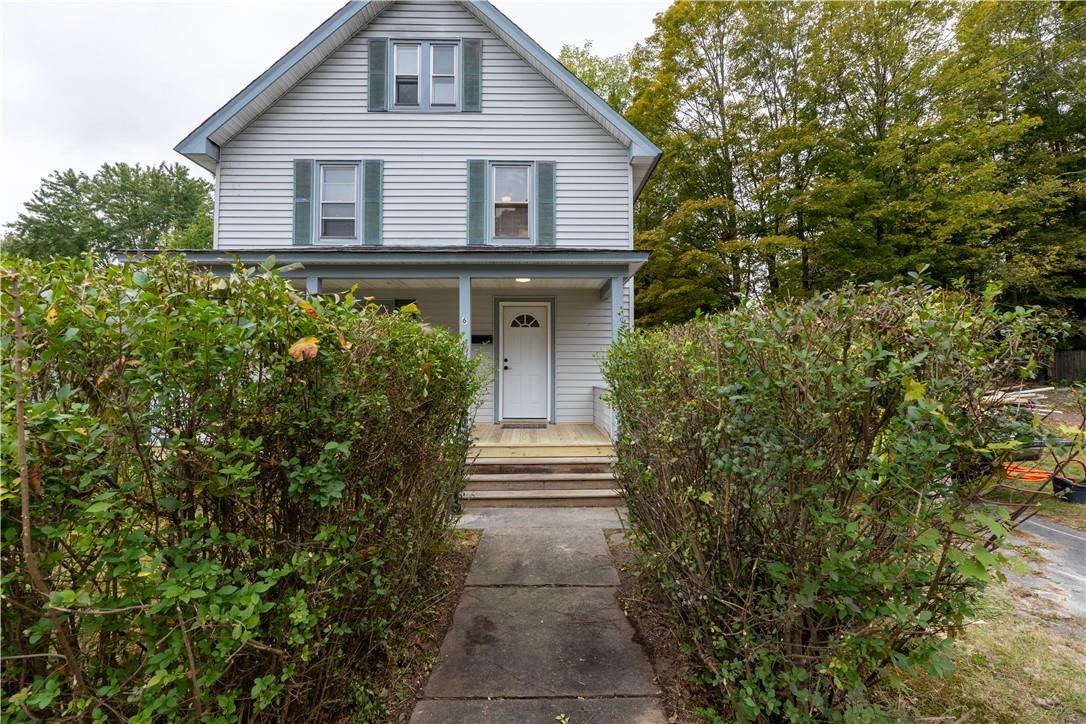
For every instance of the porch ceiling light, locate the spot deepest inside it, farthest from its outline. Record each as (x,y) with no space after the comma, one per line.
(523,280)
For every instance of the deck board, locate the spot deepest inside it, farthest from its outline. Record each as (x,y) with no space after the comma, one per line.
(566,439)
(562,434)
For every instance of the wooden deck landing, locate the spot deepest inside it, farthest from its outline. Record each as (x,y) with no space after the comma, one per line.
(566,440)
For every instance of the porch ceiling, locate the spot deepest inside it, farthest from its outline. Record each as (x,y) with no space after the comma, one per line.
(332,285)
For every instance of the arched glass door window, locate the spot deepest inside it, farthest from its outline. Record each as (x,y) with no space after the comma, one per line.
(524,320)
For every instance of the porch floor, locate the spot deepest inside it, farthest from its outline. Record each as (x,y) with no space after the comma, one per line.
(565,439)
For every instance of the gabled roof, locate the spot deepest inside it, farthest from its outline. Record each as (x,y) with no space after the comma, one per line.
(202,144)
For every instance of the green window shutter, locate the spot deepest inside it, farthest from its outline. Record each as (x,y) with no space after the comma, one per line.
(545,229)
(373,194)
(378,74)
(476,202)
(304,188)
(473,76)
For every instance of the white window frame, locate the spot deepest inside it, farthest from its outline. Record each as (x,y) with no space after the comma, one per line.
(492,188)
(355,166)
(426,75)
(455,74)
(396,44)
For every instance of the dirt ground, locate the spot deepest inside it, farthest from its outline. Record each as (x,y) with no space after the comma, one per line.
(1065,406)
(645,614)
(420,652)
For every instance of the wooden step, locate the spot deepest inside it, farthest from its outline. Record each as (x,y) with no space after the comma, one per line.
(561,484)
(581,460)
(538,466)
(540,498)
(540,451)
(540,477)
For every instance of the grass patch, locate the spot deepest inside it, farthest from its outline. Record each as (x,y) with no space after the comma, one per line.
(1012,665)
(1070,514)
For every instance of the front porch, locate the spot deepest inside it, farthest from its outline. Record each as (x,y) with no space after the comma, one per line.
(538,317)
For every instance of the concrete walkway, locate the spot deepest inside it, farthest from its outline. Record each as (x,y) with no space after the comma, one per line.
(538,635)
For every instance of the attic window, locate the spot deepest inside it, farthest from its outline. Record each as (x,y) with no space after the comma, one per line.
(442,74)
(425,75)
(407,59)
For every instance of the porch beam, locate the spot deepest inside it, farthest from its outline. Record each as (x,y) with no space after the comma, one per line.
(453,272)
(616,305)
(464,306)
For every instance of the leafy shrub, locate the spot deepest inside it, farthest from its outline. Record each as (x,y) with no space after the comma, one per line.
(232,498)
(805,484)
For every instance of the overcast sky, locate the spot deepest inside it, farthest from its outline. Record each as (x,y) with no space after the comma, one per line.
(87,82)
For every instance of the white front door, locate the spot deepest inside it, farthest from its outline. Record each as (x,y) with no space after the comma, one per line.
(525,360)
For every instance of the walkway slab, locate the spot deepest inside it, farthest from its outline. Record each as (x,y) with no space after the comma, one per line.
(549,518)
(639,710)
(538,635)
(540,642)
(575,557)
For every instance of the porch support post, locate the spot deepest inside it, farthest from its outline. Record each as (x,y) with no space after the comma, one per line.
(616,305)
(312,285)
(465,311)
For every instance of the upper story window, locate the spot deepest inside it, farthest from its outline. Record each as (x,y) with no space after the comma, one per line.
(443,65)
(407,61)
(425,75)
(338,201)
(511,184)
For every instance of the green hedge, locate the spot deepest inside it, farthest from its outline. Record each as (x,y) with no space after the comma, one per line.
(233,498)
(805,485)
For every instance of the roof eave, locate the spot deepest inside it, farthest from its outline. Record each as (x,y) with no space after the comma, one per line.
(638,143)
(194,146)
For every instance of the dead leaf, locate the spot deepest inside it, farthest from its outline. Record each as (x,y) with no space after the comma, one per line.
(35,479)
(307,308)
(51,316)
(343,343)
(304,348)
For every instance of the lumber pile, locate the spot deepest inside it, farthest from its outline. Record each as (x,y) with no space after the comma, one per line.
(1033,399)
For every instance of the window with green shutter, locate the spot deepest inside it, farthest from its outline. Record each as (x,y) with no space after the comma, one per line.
(473,76)
(377,87)
(373,194)
(421,75)
(304,178)
(546,228)
(477,205)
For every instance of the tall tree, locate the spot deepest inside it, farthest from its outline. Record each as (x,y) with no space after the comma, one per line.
(607,76)
(122,206)
(810,144)
(683,80)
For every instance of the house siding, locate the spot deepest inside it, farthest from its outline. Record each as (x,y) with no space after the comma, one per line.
(582,331)
(524,117)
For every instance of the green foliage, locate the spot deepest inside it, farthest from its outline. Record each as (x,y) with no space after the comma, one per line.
(855,141)
(121,207)
(805,483)
(233,496)
(608,77)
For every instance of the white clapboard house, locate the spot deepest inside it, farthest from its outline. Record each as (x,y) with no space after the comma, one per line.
(433,152)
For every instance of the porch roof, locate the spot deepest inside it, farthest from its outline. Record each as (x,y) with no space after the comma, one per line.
(427,261)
